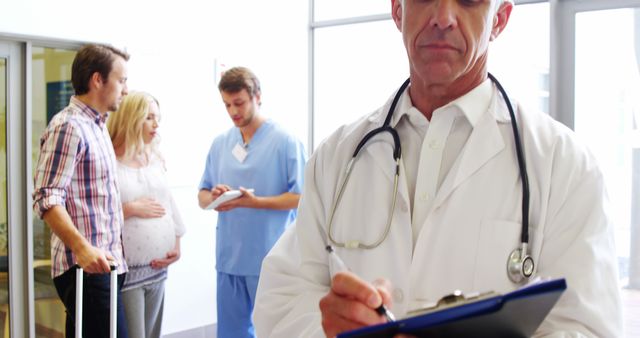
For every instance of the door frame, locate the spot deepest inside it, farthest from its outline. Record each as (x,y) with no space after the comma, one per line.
(20,276)
(18,49)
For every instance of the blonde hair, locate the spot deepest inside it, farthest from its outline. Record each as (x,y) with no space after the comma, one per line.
(125,125)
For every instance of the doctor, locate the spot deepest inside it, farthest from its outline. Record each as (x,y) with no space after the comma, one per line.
(458,213)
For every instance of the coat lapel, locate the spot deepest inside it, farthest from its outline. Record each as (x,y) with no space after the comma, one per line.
(483,144)
(380,149)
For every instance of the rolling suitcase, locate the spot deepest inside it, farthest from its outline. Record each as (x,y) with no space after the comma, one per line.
(113,308)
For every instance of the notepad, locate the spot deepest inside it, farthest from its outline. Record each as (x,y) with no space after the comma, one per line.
(227,196)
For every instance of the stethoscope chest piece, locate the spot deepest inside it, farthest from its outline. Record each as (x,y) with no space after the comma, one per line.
(520,265)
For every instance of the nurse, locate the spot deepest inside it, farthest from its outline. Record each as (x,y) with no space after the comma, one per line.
(255,154)
(455,215)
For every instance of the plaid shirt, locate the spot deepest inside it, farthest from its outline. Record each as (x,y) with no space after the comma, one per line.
(77,170)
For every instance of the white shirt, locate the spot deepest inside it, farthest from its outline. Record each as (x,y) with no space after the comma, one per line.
(146,239)
(439,142)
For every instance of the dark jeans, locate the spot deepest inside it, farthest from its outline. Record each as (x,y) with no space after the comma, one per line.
(95,304)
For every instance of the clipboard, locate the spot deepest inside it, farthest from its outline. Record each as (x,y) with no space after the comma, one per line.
(514,314)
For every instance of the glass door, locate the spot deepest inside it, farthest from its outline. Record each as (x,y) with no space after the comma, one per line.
(50,90)
(34,85)
(4,262)
(13,290)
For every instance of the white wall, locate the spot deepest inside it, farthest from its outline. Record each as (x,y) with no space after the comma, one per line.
(174,47)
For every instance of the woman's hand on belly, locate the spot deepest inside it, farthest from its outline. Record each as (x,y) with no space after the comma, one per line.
(171,257)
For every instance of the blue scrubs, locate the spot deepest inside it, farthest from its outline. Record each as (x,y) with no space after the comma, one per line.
(274,165)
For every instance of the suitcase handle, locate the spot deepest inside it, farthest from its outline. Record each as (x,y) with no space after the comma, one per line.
(113,301)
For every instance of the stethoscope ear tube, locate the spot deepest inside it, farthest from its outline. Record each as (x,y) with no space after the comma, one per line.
(405,84)
(520,264)
(397,153)
(386,126)
(397,150)
(524,178)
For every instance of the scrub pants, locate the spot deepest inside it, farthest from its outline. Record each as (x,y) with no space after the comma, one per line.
(236,297)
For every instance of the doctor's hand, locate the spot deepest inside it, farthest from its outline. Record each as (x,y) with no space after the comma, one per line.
(351,303)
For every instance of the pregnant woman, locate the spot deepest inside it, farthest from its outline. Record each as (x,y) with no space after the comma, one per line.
(152,226)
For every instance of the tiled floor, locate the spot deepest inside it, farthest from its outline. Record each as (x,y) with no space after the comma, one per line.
(631,305)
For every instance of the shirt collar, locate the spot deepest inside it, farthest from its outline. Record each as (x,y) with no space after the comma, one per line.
(89,112)
(472,104)
(404,107)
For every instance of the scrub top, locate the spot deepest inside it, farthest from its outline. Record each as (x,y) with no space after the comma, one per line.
(274,164)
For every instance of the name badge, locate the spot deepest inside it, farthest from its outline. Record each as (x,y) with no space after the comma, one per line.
(239,153)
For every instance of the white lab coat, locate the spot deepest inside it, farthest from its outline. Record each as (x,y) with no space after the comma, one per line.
(474,224)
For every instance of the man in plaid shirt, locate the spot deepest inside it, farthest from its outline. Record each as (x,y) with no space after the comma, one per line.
(76,192)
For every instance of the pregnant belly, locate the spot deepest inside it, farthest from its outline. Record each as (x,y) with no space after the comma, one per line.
(147,239)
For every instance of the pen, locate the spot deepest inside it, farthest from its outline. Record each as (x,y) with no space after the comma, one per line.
(339,265)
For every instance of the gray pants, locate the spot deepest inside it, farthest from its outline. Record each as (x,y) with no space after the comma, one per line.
(143,310)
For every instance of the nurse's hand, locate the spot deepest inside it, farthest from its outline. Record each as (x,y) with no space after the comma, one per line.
(206,196)
(219,190)
(247,200)
(351,303)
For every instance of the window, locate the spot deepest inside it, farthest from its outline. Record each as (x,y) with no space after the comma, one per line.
(51,91)
(519,57)
(338,9)
(357,68)
(607,118)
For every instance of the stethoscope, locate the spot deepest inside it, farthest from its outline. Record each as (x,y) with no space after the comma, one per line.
(520,264)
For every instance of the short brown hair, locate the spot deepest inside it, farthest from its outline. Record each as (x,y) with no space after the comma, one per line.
(90,59)
(239,78)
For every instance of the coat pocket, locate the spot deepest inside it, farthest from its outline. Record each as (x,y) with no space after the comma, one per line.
(498,238)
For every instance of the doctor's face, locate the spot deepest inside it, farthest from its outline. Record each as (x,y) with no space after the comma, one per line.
(242,108)
(448,40)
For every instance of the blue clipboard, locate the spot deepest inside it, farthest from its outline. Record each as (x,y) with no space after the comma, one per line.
(515,314)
